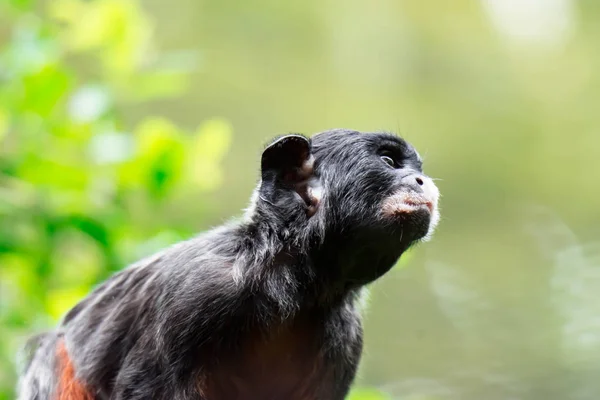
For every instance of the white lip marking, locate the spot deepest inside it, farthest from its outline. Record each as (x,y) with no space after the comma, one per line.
(403,202)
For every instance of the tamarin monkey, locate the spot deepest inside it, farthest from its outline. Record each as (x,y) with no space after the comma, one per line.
(263,308)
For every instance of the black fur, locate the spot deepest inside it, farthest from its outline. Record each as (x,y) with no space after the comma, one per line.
(311,239)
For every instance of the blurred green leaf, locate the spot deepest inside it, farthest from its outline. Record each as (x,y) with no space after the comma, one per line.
(20,4)
(53,174)
(59,301)
(4,123)
(16,272)
(117,27)
(367,394)
(209,144)
(44,90)
(78,182)
(161,152)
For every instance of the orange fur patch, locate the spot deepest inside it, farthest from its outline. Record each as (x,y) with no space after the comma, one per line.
(69,388)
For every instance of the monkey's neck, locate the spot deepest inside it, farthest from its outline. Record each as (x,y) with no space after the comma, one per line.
(290,267)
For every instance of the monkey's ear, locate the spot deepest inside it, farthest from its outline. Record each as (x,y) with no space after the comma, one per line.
(287,159)
(287,163)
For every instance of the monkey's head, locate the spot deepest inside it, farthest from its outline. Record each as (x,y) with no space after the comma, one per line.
(353,201)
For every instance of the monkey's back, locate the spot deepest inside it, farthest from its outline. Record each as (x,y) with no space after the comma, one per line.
(135,318)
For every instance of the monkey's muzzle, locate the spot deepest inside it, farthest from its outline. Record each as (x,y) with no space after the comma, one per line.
(415,194)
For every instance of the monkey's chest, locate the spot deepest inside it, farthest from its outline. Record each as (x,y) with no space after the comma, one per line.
(287,364)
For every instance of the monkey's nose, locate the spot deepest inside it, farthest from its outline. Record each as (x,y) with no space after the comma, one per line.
(421,184)
(414,182)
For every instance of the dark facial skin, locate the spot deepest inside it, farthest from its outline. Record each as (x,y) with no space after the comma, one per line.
(263,308)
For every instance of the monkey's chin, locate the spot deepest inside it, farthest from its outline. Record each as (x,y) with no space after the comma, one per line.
(416,223)
(417,210)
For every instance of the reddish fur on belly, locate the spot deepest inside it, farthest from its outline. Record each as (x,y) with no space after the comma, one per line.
(69,388)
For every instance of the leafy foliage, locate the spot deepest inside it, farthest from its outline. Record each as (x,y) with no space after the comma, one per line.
(77,181)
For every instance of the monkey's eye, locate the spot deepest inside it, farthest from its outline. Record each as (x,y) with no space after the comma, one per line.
(389,161)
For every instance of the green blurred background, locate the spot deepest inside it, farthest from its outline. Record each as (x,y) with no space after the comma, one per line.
(128,125)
